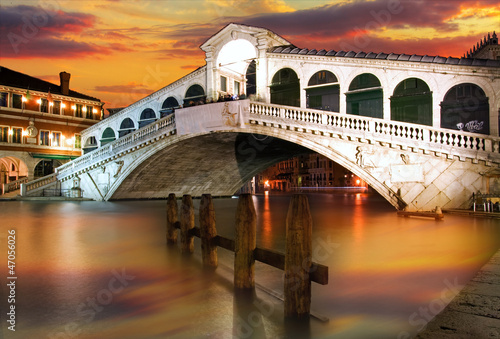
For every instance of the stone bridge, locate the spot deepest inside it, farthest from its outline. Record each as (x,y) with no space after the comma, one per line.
(420,130)
(218,147)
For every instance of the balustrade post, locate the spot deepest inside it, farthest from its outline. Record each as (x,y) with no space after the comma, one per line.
(488,145)
(171,219)
(208,231)
(298,258)
(245,243)
(187,223)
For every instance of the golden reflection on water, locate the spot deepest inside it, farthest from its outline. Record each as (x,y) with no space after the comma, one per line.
(383,269)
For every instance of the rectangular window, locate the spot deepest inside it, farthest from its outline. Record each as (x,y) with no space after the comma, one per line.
(56,107)
(44,105)
(3,99)
(78,141)
(223,84)
(90,110)
(17,134)
(17,101)
(78,111)
(56,139)
(44,138)
(4,134)
(237,88)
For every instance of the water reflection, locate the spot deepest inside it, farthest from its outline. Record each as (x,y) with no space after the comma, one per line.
(383,270)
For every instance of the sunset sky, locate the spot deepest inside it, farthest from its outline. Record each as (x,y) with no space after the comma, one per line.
(121,50)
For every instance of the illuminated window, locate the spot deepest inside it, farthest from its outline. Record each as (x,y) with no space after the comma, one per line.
(17,101)
(4,134)
(56,139)
(56,107)
(89,112)
(78,141)
(78,111)
(237,88)
(44,105)
(17,134)
(44,138)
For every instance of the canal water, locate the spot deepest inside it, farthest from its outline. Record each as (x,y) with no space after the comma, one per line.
(102,270)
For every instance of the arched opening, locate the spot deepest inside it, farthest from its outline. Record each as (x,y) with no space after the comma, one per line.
(285,88)
(147,116)
(12,169)
(90,145)
(46,167)
(251,79)
(168,106)
(365,97)
(465,107)
(108,136)
(127,126)
(412,102)
(194,95)
(323,92)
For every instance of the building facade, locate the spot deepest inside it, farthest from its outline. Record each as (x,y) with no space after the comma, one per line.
(40,124)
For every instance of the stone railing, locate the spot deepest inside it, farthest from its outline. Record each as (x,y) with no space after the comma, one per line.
(13,185)
(405,135)
(37,184)
(166,125)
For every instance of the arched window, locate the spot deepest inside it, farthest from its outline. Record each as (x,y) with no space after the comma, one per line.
(45,167)
(365,97)
(194,95)
(285,88)
(147,116)
(465,107)
(323,92)
(412,102)
(169,106)
(108,136)
(127,126)
(90,145)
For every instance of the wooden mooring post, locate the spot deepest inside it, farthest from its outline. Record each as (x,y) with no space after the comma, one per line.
(298,258)
(245,243)
(208,232)
(297,263)
(172,219)
(187,223)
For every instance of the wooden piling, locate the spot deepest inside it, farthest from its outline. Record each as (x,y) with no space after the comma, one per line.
(208,232)
(171,219)
(245,243)
(298,258)
(187,223)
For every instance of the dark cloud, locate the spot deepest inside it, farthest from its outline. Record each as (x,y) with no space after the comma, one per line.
(131,87)
(29,31)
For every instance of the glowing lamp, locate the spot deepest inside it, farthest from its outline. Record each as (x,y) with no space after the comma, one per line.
(39,101)
(358,182)
(84,109)
(95,111)
(63,105)
(24,99)
(70,141)
(73,107)
(51,103)
(11,132)
(25,133)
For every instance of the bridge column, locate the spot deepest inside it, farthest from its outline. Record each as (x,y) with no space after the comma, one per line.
(262,68)
(212,71)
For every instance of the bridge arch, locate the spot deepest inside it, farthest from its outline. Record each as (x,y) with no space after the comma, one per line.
(323,91)
(148,115)
(168,106)
(236,162)
(365,96)
(108,135)
(90,144)
(412,102)
(285,87)
(126,126)
(466,107)
(194,93)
